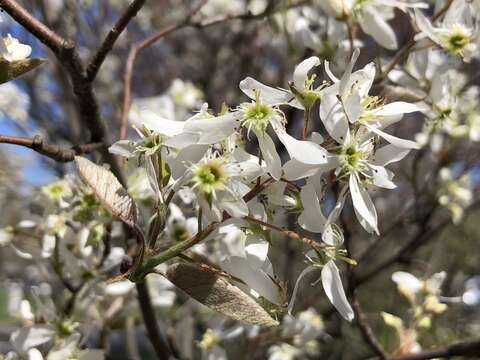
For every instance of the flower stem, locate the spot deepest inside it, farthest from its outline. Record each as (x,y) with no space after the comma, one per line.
(306,119)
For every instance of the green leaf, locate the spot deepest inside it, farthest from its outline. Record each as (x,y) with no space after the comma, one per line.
(10,70)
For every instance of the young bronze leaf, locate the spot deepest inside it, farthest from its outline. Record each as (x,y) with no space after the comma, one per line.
(108,190)
(10,70)
(215,292)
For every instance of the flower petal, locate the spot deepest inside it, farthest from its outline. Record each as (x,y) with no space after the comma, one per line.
(270,155)
(332,284)
(300,75)
(268,94)
(305,151)
(363,204)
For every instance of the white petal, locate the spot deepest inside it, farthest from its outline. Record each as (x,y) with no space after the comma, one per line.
(395,108)
(256,250)
(123,148)
(213,130)
(374,25)
(398,142)
(256,279)
(300,74)
(353,107)
(407,280)
(363,204)
(270,155)
(158,124)
(332,284)
(305,151)
(297,283)
(345,80)
(329,72)
(388,154)
(426,26)
(268,94)
(237,208)
(29,337)
(382,177)
(311,218)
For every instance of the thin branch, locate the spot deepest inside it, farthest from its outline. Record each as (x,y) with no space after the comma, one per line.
(470,349)
(111,38)
(46,35)
(55,152)
(185,22)
(288,233)
(366,330)
(156,336)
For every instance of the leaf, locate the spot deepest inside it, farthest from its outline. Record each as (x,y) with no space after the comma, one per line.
(215,292)
(10,70)
(108,190)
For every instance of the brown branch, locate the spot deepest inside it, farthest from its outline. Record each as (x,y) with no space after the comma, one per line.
(470,349)
(288,233)
(111,38)
(366,330)
(46,35)
(55,152)
(185,22)
(156,336)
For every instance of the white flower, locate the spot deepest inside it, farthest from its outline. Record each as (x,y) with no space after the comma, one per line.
(218,183)
(283,351)
(302,93)
(348,102)
(12,50)
(456,33)
(333,237)
(372,16)
(455,194)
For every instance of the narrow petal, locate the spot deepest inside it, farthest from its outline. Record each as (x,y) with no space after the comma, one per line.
(397,107)
(332,284)
(270,155)
(374,25)
(300,75)
(398,142)
(305,151)
(407,280)
(389,154)
(363,204)
(297,283)
(158,124)
(213,130)
(256,279)
(426,26)
(256,250)
(268,94)
(311,218)
(123,148)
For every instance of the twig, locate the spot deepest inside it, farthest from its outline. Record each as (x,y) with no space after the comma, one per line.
(306,119)
(52,151)
(470,349)
(156,336)
(46,35)
(111,38)
(366,330)
(289,233)
(67,55)
(168,29)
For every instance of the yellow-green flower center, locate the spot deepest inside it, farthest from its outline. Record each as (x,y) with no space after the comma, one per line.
(257,115)
(210,176)
(457,39)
